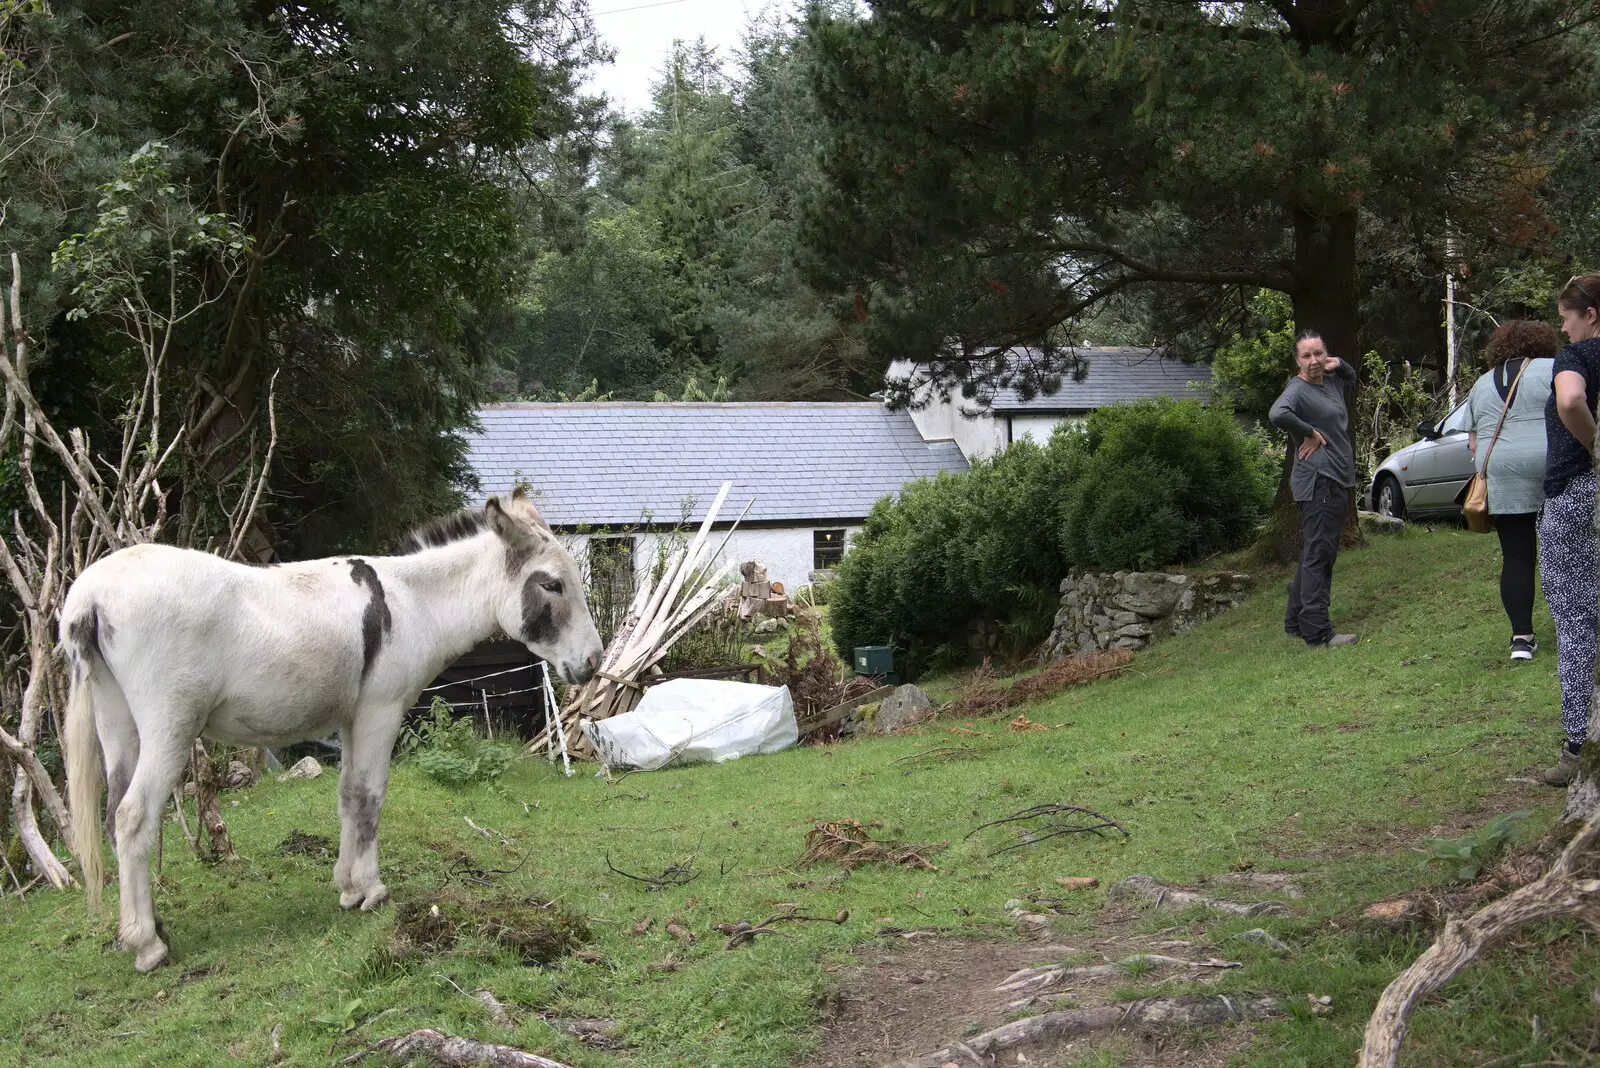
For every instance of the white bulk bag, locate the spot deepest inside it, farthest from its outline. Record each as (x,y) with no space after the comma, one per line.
(687,721)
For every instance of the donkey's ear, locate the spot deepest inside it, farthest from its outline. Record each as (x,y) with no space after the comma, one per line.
(505,527)
(522,507)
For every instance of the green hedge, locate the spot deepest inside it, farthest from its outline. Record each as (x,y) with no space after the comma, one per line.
(1135,487)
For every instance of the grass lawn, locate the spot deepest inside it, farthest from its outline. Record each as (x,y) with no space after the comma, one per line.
(1228,747)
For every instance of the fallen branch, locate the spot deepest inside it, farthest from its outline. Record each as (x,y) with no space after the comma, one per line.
(744,931)
(447,1051)
(1559,893)
(678,875)
(1172,897)
(1189,1010)
(1050,828)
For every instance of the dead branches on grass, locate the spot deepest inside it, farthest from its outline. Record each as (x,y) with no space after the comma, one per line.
(1053,821)
(681,874)
(982,697)
(847,843)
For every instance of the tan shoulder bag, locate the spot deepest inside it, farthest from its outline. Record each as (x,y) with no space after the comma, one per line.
(1475,508)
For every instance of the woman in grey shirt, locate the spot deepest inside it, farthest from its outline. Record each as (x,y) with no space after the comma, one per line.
(1516,464)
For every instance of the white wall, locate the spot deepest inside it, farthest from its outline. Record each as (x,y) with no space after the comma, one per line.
(977,435)
(786,552)
(1038,428)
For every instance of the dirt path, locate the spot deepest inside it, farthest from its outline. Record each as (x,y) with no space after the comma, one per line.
(905,997)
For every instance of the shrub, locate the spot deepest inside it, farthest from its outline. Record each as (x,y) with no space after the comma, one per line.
(449,751)
(1166,482)
(1138,486)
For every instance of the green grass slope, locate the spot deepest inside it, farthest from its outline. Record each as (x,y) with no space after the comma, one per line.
(1227,747)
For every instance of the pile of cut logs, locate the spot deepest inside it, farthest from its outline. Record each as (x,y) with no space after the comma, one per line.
(758,597)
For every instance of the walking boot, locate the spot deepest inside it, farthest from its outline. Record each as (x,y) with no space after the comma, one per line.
(1565,770)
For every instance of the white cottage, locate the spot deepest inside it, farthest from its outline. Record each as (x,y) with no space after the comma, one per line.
(614,476)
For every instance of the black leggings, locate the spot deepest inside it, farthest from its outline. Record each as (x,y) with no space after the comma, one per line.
(1519,547)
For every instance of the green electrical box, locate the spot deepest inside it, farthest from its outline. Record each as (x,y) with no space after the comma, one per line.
(876,661)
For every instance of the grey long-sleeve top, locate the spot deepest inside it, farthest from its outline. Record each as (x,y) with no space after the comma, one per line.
(1302,408)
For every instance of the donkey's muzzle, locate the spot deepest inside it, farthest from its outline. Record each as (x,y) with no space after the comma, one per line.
(582,671)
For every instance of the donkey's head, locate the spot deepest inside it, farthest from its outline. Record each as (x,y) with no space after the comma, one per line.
(543,603)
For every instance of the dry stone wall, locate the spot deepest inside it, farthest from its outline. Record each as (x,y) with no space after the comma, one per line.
(1126,609)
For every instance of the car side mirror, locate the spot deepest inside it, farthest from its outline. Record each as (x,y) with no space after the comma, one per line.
(1426,431)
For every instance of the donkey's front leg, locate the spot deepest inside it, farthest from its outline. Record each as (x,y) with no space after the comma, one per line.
(363,777)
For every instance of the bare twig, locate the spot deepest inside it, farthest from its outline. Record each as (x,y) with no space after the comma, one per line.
(1050,828)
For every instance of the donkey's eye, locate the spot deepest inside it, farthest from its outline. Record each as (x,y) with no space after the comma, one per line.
(554,585)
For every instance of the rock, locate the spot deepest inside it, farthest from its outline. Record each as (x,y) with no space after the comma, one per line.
(905,706)
(307,768)
(1265,937)
(238,776)
(1375,523)
(769,626)
(1130,643)
(1078,882)
(1122,619)
(1133,630)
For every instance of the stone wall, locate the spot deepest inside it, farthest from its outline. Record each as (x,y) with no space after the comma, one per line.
(1126,609)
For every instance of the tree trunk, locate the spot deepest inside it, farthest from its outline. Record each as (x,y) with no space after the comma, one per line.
(1326,299)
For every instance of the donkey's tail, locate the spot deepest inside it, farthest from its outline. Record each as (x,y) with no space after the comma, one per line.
(85,774)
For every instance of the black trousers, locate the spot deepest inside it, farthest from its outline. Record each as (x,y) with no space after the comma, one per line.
(1321,523)
(1519,553)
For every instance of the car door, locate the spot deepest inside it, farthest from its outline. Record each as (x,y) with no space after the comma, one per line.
(1438,468)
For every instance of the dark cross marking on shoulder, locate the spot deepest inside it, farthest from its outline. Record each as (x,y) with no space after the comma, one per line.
(539,626)
(375,619)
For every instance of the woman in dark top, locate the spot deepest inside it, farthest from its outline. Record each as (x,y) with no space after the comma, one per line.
(1570,557)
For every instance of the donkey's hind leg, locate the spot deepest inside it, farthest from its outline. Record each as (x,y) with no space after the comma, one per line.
(119,741)
(363,778)
(162,755)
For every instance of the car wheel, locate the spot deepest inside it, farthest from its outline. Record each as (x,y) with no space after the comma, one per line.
(1388,498)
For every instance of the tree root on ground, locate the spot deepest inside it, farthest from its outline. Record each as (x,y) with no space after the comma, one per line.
(1564,891)
(446,1051)
(1171,897)
(1035,980)
(1188,1010)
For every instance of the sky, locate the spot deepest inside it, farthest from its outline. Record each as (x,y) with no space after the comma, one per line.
(641,32)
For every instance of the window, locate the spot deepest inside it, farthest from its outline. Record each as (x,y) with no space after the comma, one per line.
(827,549)
(610,581)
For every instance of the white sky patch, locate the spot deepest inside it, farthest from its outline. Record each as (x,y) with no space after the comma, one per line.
(642,31)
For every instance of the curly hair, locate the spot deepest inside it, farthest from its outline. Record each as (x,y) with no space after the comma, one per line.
(1521,339)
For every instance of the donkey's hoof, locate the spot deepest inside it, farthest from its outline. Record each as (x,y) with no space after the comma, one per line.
(151,957)
(372,897)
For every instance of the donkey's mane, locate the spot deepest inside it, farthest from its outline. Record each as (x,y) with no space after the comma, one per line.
(446,529)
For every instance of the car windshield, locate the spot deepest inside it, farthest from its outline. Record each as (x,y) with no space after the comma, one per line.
(1457,422)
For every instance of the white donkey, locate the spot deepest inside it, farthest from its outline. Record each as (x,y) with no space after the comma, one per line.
(167,645)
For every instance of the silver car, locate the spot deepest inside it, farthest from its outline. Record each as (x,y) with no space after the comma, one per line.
(1425,478)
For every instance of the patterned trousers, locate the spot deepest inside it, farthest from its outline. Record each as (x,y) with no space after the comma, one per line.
(1569,564)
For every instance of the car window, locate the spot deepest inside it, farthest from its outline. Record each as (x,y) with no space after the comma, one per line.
(1458,421)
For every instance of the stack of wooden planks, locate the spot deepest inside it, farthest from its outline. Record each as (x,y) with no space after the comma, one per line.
(691,585)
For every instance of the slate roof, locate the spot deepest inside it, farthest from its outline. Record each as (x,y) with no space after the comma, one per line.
(609,463)
(1115,375)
